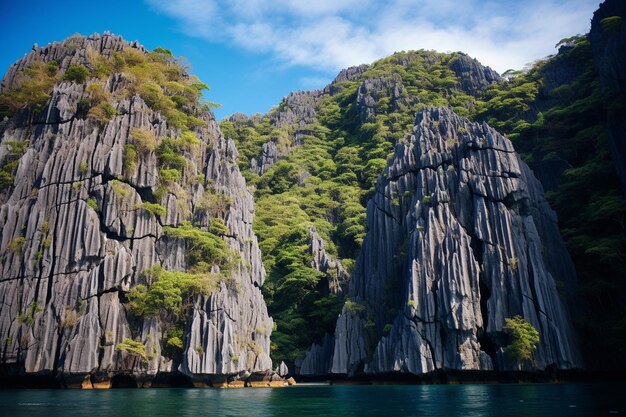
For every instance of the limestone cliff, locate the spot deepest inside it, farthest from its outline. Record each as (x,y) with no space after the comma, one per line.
(608,41)
(316,157)
(97,201)
(460,237)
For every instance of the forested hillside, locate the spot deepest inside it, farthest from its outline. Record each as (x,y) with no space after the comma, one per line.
(330,147)
(315,158)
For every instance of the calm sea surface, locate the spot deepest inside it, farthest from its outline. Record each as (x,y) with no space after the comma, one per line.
(554,400)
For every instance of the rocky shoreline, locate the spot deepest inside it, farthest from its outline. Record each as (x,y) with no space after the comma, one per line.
(13,379)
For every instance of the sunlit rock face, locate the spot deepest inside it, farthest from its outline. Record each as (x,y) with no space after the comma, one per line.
(460,237)
(75,237)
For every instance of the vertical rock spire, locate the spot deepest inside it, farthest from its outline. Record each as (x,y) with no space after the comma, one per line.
(459,238)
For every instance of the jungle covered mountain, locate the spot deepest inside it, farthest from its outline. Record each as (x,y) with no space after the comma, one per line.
(397,220)
(315,158)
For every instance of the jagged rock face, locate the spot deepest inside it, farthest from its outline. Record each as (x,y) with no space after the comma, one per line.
(269,156)
(318,360)
(472,74)
(282,369)
(75,237)
(71,51)
(608,42)
(350,73)
(347,74)
(459,238)
(373,89)
(297,109)
(336,274)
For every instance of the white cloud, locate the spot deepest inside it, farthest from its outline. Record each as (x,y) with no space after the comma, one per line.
(328,35)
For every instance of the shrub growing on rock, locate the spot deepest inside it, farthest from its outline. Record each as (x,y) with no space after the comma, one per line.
(524,338)
(76,73)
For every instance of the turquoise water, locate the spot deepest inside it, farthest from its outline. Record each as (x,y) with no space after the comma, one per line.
(552,400)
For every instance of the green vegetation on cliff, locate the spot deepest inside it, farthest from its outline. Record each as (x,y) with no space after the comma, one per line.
(107,81)
(160,79)
(524,339)
(564,124)
(330,154)
(555,113)
(326,179)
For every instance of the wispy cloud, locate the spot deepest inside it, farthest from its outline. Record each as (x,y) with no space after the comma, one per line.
(327,35)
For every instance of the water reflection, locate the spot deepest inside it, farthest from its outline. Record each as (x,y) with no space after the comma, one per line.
(380,400)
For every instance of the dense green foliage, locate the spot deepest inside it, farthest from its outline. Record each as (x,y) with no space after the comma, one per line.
(76,73)
(32,88)
(134,348)
(327,179)
(523,339)
(168,293)
(161,80)
(204,248)
(569,128)
(292,288)
(155,209)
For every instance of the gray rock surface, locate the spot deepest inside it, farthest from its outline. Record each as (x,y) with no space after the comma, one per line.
(347,74)
(74,238)
(282,369)
(336,275)
(318,360)
(297,108)
(472,74)
(460,237)
(269,156)
(373,89)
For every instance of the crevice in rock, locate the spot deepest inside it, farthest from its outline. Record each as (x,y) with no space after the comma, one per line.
(488,148)
(435,291)
(56,123)
(531,284)
(101,293)
(54,274)
(103,340)
(219,309)
(395,178)
(508,175)
(418,319)
(385,212)
(53,232)
(57,183)
(483,337)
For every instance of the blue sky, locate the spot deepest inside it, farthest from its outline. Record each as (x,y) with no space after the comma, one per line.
(254,52)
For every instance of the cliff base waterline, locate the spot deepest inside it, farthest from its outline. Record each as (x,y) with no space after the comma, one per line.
(13,379)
